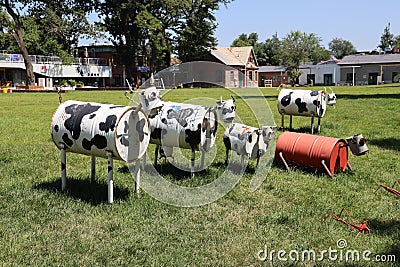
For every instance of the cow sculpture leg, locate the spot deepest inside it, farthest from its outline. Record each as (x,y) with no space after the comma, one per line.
(110,178)
(93,169)
(63,168)
(319,124)
(203,154)
(192,163)
(156,155)
(312,123)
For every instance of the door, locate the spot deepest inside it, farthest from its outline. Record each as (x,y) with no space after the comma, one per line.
(328,79)
(373,78)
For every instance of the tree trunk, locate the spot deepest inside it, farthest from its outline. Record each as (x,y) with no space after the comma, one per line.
(30,75)
(18,35)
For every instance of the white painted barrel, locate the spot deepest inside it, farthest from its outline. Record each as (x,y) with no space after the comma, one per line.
(93,129)
(302,102)
(185,126)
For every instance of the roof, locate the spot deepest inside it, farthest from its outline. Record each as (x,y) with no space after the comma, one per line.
(370,59)
(233,56)
(272,69)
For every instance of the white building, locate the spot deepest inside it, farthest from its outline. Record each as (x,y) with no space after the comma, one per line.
(47,69)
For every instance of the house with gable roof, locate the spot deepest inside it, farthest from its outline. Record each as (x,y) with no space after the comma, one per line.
(243,59)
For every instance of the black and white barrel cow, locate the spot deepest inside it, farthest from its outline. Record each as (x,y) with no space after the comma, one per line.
(309,103)
(100,130)
(182,125)
(248,141)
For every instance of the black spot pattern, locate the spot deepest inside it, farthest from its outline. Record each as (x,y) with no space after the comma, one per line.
(56,128)
(314,93)
(139,128)
(109,124)
(67,140)
(180,115)
(77,112)
(158,133)
(285,101)
(193,138)
(98,140)
(302,106)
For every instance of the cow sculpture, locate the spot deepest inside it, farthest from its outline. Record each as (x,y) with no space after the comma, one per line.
(248,141)
(309,103)
(100,130)
(183,125)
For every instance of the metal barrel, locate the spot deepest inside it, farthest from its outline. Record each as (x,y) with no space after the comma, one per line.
(302,102)
(94,129)
(310,150)
(185,126)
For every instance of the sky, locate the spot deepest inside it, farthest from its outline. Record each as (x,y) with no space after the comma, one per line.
(361,22)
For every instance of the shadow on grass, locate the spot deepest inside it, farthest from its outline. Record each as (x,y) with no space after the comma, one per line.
(387,143)
(388,228)
(91,192)
(303,129)
(319,173)
(358,96)
(178,174)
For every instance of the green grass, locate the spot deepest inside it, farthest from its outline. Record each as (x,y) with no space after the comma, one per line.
(42,226)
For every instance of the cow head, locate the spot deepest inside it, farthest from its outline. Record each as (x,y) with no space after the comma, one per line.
(150,99)
(226,109)
(330,98)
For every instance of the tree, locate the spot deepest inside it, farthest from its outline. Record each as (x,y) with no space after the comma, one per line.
(396,43)
(341,48)
(252,40)
(299,48)
(387,39)
(244,40)
(273,50)
(195,34)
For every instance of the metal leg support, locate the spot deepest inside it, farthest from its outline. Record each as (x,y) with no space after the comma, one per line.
(137,177)
(93,169)
(192,163)
(63,168)
(110,178)
(312,123)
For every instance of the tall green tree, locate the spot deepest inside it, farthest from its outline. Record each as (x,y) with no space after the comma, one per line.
(273,51)
(297,48)
(387,39)
(121,20)
(245,40)
(195,34)
(341,48)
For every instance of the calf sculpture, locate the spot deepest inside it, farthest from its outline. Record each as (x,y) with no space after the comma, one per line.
(248,141)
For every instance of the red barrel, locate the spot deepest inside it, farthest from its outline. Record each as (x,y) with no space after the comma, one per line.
(313,151)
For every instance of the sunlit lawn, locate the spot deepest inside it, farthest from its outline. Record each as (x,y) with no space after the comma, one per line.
(40,225)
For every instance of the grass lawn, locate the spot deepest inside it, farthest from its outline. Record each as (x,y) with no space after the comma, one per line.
(42,226)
